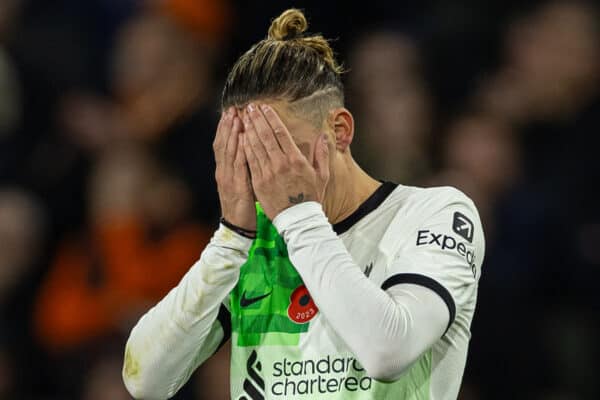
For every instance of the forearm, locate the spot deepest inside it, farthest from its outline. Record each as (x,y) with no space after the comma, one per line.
(386,330)
(181,331)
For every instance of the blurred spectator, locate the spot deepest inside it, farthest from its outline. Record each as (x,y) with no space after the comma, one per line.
(391,103)
(481,157)
(137,150)
(547,91)
(138,246)
(88,121)
(549,88)
(159,74)
(552,64)
(164,88)
(162,91)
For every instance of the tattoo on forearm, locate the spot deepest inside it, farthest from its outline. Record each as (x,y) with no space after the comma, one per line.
(296,199)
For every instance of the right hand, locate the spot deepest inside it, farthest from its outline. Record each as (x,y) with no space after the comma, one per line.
(233,179)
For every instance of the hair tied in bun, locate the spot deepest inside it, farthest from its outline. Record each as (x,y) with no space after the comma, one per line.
(291,24)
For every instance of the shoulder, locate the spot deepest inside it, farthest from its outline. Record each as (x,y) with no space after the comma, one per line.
(418,203)
(442,208)
(432,199)
(437,233)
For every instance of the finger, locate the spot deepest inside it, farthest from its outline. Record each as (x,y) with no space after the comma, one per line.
(240,161)
(254,142)
(233,142)
(253,164)
(241,173)
(224,127)
(281,132)
(321,162)
(264,131)
(223,132)
(218,138)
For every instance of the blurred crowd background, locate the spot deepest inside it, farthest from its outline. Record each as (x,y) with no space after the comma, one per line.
(107,114)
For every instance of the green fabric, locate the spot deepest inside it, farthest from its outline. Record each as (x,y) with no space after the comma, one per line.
(266,323)
(267,270)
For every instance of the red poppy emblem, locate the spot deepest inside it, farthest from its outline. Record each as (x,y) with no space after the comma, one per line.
(302,307)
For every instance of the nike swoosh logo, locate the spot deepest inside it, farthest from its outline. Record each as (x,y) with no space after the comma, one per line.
(245,302)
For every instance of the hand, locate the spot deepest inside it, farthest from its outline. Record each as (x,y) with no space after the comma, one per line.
(233,180)
(281,175)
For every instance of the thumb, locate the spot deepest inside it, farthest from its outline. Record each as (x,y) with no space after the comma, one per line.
(321,163)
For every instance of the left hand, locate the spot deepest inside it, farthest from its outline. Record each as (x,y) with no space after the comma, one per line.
(281,175)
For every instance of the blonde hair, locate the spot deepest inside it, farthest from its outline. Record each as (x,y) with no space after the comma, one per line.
(290,65)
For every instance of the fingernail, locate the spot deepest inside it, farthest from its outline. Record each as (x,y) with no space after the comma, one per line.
(264,107)
(324,137)
(251,107)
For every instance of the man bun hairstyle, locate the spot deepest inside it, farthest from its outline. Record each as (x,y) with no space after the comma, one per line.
(291,65)
(289,25)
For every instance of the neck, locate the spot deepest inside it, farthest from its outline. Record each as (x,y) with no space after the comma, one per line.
(347,190)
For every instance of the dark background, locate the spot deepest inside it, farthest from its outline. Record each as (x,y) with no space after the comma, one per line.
(107,115)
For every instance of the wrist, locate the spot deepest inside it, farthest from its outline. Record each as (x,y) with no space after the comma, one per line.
(242,215)
(227,239)
(297,213)
(247,233)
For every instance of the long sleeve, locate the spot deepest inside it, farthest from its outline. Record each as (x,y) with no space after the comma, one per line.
(178,334)
(387,330)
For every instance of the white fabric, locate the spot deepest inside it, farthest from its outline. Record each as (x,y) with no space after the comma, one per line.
(386,331)
(181,332)
(412,233)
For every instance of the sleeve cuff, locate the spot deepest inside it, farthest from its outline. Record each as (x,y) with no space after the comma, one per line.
(430,283)
(225,237)
(292,215)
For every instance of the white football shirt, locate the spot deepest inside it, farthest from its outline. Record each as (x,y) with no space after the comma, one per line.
(401,235)
(302,307)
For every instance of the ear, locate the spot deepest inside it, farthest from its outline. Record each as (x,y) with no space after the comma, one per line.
(342,123)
